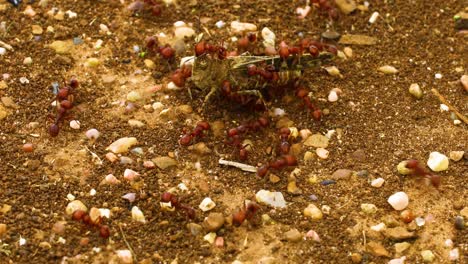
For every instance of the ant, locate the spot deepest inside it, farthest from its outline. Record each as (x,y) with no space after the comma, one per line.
(418,170)
(64,100)
(167,197)
(201,126)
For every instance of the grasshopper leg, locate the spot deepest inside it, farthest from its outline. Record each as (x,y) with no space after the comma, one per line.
(209,95)
(256,93)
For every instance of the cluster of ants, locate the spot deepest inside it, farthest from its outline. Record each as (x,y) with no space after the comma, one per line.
(80,215)
(247,212)
(64,102)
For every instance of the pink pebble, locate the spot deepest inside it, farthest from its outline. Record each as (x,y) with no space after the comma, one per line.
(131,175)
(148,164)
(312,234)
(219,242)
(130,197)
(111,157)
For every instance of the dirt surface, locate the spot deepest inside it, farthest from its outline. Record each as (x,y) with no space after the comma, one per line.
(377,124)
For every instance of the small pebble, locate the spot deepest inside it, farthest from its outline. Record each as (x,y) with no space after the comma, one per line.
(400,247)
(398,201)
(2,51)
(293,235)
(28,147)
(377,183)
(456,155)
(75,205)
(3,229)
(368,208)
(122,145)
(129,197)
(92,62)
(427,255)
(387,69)
(213,222)
(333,71)
(420,221)
(373,17)
(379,227)
(348,52)
(138,215)
(220,24)
(437,161)
(27,61)
(438,76)
(75,124)
(210,237)
(313,212)
(327,182)
(448,243)
(402,169)
(92,134)
(322,153)
(415,90)
(207,204)
(130,175)
(464,82)
(397,260)
(274,199)
(454,254)
(312,234)
(459,223)
(332,96)
(444,108)
(29,11)
(124,256)
(303,12)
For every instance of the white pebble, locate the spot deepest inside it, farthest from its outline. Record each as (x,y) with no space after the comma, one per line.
(75,124)
(398,260)
(373,17)
(269,37)
(377,183)
(122,144)
(322,153)
(92,133)
(438,76)
(182,32)
(448,243)
(29,11)
(103,28)
(92,192)
(398,201)
(278,112)
(274,199)
(71,14)
(125,256)
(75,205)
(332,96)
(172,86)
(22,241)
(437,161)
(23,80)
(454,254)
(240,27)
(138,215)
(104,212)
(70,197)
(379,227)
(207,204)
(420,221)
(27,61)
(2,51)
(220,24)
(179,24)
(210,237)
(444,108)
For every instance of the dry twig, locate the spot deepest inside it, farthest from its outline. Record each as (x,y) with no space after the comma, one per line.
(451,107)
